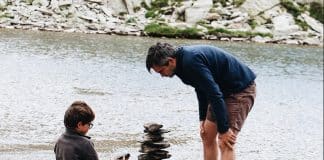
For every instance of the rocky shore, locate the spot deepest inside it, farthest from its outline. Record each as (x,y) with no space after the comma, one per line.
(275,21)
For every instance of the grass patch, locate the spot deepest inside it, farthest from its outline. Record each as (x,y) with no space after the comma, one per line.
(163,30)
(151,13)
(302,24)
(317,11)
(159,3)
(131,20)
(295,11)
(252,23)
(223,2)
(238,3)
(220,32)
(291,7)
(29,2)
(137,8)
(6,15)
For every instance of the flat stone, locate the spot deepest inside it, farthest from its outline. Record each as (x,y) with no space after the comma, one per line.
(122,157)
(158,131)
(160,145)
(152,127)
(153,138)
(152,157)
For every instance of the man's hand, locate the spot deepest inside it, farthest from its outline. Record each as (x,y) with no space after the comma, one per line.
(228,138)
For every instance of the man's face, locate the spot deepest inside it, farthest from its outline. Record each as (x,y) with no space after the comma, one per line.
(167,70)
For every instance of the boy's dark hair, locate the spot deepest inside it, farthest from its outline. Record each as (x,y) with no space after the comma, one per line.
(158,55)
(78,111)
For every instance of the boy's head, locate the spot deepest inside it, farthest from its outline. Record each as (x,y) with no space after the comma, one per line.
(79,117)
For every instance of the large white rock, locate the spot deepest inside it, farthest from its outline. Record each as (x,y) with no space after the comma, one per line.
(254,7)
(313,23)
(273,12)
(198,11)
(117,6)
(284,24)
(3,3)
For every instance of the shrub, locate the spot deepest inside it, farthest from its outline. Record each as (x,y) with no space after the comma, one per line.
(220,32)
(238,3)
(317,11)
(159,3)
(162,30)
(291,7)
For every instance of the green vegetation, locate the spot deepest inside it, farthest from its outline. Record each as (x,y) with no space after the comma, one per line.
(136,9)
(220,32)
(223,2)
(291,7)
(302,24)
(131,20)
(30,2)
(122,13)
(295,11)
(252,23)
(6,15)
(317,11)
(3,7)
(159,3)
(238,3)
(163,30)
(151,13)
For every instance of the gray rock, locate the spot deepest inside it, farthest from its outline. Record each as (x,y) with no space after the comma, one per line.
(198,11)
(284,24)
(153,157)
(254,7)
(313,23)
(152,127)
(153,138)
(124,156)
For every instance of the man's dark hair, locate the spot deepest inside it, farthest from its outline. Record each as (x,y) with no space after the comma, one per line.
(78,111)
(158,55)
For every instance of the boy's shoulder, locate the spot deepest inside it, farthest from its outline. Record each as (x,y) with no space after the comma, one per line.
(74,137)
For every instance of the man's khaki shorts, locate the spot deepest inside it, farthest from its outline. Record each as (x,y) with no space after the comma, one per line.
(238,106)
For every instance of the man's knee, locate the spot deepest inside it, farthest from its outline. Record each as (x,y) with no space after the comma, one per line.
(223,147)
(208,139)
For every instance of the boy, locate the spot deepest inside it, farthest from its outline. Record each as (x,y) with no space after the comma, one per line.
(74,144)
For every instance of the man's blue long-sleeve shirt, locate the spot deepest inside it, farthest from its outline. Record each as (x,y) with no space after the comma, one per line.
(214,74)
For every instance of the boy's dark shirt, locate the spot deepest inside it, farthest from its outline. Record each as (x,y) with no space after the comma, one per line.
(73,146)
(214,74)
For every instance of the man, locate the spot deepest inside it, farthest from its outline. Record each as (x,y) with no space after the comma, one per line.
(224,86)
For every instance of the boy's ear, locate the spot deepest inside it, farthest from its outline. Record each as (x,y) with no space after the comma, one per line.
(79,124)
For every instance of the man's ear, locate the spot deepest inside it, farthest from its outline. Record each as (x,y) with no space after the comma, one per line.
(171,60)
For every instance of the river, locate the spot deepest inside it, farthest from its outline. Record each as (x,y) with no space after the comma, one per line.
(42,73)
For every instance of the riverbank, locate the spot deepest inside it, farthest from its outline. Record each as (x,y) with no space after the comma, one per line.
(284,21)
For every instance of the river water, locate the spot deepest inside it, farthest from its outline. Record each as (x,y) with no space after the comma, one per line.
(42,73)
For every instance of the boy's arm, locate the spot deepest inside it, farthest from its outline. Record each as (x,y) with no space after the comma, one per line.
(90,152)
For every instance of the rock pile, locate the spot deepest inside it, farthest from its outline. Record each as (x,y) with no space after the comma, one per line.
(153,144)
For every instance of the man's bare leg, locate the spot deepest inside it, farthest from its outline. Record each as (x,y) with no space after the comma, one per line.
(208,136)
(227,153)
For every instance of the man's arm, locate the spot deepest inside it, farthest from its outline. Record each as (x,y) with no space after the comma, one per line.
(203,104)
(205,82)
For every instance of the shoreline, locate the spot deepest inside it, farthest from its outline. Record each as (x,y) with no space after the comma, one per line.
(231,39)
(272,22)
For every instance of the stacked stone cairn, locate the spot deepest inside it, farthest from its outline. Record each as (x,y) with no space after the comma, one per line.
(153,144)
